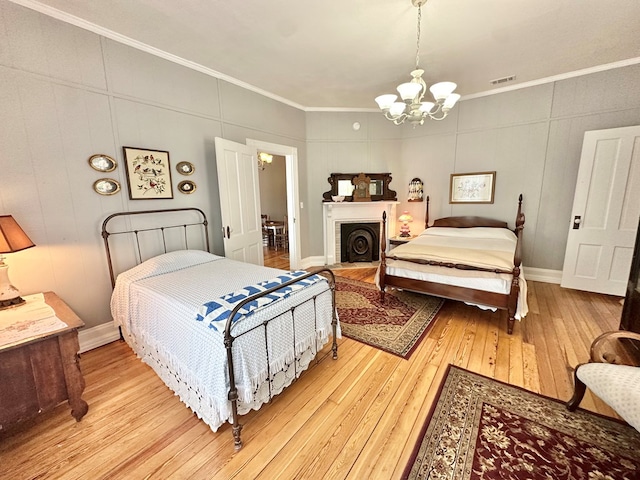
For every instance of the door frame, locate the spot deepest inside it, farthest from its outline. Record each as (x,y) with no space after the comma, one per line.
(293,194)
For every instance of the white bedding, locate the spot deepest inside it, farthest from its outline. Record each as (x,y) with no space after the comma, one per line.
(463,245)
(156,305)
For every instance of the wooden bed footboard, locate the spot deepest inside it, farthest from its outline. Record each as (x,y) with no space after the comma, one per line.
(507,302)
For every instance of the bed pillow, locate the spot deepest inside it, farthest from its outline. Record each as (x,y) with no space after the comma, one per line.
(472,232)
(169,262)
(165,263)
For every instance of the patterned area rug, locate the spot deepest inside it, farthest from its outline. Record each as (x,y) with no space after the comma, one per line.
(481,428)
(395,327)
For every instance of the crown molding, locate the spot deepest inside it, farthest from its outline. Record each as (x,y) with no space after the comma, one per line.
(92,27)
(79,22)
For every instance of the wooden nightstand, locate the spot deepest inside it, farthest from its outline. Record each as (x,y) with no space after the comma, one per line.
(38,373)
(393,241)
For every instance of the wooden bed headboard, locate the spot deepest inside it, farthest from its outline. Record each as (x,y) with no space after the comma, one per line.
(470,221)
(152,232)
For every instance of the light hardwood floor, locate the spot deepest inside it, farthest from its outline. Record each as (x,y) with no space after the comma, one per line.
(357,417)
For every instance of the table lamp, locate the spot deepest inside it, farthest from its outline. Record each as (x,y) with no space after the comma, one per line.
(12,239)
(405,218)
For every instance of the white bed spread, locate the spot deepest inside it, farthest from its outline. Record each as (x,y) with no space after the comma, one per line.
(485,247)
(156,304)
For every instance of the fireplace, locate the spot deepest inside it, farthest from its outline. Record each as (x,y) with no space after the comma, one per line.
(337,214)
(360,242)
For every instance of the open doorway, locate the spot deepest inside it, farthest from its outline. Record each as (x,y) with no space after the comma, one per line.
(272,171)
(289,157)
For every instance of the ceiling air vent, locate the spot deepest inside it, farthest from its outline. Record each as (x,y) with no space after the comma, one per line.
(500,81)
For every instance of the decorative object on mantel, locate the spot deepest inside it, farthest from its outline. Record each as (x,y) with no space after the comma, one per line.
(106,186)
(187,186)
(148,173)
(12,239)
(264,159)
(337,198)
(405,218)
(415,190)
(342,185)
(185,168)
(475,187)
(412,108)
(361,192)
(102,163)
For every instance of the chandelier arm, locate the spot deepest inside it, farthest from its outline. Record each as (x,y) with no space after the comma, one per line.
(433,117)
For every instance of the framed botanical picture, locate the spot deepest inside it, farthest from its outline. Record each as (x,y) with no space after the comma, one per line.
(475,187)
(148,173)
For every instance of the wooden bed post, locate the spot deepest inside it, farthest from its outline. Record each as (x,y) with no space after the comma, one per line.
(383,256)
(517,262)
(426,216)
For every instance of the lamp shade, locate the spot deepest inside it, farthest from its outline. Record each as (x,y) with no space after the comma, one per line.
(405,217)
(12,237)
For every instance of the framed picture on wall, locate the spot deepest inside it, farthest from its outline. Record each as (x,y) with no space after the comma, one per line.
(148,173)
(475,187)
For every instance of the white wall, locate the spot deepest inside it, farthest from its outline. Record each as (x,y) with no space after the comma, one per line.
(531,137)
(273,188)
(67,94)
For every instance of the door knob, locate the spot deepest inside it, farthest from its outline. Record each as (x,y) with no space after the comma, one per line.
(577,220)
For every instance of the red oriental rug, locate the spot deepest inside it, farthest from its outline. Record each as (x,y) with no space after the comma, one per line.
(480,428)
(395,326)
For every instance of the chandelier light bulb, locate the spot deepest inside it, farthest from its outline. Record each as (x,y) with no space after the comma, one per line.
(427,106)
(409,90)
(397,108)
(450,101)
(385,101)
(442,90)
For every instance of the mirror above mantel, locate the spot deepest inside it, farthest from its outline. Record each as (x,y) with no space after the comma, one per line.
(342,184)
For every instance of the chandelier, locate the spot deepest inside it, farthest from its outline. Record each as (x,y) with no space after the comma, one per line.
(264,159)
(412,108)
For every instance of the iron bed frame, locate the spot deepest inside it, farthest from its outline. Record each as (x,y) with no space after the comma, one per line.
(229,338)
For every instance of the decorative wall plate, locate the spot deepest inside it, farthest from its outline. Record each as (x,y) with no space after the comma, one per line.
(106,186)
(185,168)
(187,186)
(102,163)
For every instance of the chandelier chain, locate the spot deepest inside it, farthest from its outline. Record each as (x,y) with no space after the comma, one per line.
(418,39)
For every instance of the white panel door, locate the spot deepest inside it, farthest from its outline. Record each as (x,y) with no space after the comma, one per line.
(239,201)
(605,213)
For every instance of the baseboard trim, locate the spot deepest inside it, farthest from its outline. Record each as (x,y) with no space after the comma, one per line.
(97,336)
(542,275)
(308,262)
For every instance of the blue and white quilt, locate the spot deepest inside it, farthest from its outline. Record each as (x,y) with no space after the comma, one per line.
(217,312)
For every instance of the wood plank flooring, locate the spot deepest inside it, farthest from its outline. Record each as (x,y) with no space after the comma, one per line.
(353,418)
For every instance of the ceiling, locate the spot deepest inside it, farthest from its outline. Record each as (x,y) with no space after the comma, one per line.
(343,53)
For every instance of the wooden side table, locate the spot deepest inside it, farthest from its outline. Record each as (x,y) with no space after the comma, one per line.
(39,373)
(398,240)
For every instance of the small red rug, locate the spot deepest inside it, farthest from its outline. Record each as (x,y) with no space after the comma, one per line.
(480,428)
(395,326)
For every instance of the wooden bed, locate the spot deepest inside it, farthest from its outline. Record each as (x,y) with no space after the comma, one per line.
(504,301)
(307,314)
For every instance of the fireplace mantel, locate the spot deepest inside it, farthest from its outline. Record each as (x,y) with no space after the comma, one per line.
(336,213)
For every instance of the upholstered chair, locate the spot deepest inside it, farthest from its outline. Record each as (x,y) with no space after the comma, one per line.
(616,384)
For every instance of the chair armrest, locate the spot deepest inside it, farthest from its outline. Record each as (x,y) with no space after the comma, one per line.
(600,348)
